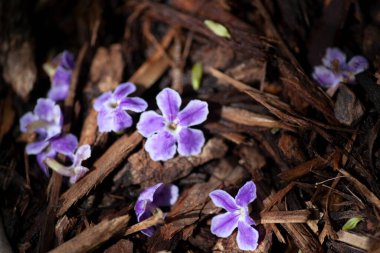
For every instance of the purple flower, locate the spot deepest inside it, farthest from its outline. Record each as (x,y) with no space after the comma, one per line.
(112,106)
(237,215)
(160,195)
(62,76)
(66,145)
(335,70)
(164,132)
(45,120)
(62,144)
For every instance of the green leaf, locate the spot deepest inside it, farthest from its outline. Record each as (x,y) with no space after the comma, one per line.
(352,223)
(196,75)
(217,28)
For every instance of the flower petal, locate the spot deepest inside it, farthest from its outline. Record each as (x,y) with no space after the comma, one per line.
(115,120)
(166,195)
(58,92)
(325,77)
(40,160)
(134,104)
(357,64)
(83,152)
(99,103)
(247,236)
(222,199)
(246,194)
(67,60)
(65,145)
(61,77)
(148,193)
(150,122)
(334,54)
(190,141)
(124,90)
(194,113)
(25,120)
(46,109)
(149,231)
(223,225)
(169,101)
(79,171)
(36,147)
(161,146)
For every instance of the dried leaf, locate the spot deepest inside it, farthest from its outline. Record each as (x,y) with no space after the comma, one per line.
(217,28)
(352,223)
(196,75)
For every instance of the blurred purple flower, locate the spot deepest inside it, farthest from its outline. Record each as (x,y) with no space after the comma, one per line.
(335,70)
(62,76)
(160,195)
(67,146)
(163,132)
(45,120)
(112,106)
(237,215)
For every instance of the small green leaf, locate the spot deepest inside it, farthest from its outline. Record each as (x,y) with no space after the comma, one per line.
(217,28)
(196,75)
(352,223)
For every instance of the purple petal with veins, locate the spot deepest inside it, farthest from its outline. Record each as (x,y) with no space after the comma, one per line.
(194,113)
(168,102)
(161,146)
(190,141)
(150,122)
(247,237)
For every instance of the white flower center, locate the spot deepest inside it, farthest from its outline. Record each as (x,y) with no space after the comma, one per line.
(173,126)
(112,104)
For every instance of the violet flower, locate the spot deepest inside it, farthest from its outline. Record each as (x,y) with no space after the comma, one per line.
(335,70)
(163,132)
(160,195)
(67,146)
(112,107)
(61,76)
(237,215)
(45,120)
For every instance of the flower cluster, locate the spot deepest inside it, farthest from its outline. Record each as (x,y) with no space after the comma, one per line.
(336,70)
(46,123)
(61,76)
(222,225)
(165,133)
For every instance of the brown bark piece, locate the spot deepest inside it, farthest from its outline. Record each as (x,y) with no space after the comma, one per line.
(123,245)
(305,240)
(101,169)
(302,169)
(170,170)
(92,237)
(253,161)
(297,216)
(348,108)
(19,68)
(245,117)
(7,115)
(291,148)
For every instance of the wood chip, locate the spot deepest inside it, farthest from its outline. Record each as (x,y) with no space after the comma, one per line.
(298,216)
(173,169)
(114,155)
(93,237)
(245,117)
